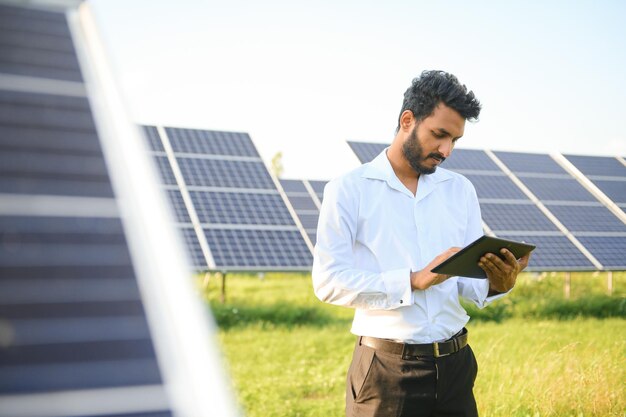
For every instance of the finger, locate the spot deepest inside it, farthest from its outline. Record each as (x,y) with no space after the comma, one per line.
(510,258)
(498,264)
(487,266)
(523,262)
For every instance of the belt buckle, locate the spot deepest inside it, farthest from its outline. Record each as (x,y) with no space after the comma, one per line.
(436,351)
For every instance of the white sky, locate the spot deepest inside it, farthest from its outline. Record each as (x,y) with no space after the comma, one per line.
(304,77)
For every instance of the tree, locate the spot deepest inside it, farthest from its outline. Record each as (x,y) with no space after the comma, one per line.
(277,164)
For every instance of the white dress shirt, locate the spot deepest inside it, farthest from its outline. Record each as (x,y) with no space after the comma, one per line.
(373,232)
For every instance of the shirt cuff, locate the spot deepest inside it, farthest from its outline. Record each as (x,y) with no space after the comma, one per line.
(490,299)
(398,288)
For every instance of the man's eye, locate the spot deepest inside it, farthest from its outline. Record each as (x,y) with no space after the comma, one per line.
(438,135)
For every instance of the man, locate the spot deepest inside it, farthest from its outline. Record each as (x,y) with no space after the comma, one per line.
(382,228)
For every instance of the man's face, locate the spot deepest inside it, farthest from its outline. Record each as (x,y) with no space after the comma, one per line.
(431,141)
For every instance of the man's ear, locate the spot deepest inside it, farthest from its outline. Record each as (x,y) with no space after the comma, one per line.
(407,120)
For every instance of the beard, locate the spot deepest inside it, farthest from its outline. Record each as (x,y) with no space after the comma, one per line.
(413,152)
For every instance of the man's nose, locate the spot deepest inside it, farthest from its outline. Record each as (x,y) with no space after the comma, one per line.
(445,148)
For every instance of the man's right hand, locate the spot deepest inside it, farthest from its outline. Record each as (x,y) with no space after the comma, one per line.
(421,280)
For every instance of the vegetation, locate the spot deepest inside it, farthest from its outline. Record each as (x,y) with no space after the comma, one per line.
(539,354)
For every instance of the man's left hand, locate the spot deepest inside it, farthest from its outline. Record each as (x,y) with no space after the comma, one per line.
(502,274)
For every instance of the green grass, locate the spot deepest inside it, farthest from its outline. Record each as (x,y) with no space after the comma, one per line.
(538,354)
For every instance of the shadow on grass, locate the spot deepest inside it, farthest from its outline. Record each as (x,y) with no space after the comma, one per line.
(284,314)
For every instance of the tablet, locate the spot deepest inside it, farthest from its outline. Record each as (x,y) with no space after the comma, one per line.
(464,263)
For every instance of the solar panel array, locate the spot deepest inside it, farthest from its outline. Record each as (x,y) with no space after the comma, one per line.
(74,333)
(228,205)
(606,173)
(305,198)
(572,229)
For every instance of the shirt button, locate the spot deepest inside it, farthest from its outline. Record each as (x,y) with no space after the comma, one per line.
(401,301)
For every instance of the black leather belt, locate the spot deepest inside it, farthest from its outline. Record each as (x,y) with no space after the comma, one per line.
(407,350)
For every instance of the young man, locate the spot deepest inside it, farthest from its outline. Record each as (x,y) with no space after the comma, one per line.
(382,228)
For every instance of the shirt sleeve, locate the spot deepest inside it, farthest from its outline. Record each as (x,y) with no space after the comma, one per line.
(335,278)
(475,290)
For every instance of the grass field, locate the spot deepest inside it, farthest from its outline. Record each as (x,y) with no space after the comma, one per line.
(538,354)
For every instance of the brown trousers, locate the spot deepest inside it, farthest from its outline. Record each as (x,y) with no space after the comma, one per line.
(381,384)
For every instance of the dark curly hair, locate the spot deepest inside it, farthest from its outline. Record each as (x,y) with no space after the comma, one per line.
(434,87)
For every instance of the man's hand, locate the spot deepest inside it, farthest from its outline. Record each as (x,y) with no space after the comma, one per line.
(502,274)
(421,280)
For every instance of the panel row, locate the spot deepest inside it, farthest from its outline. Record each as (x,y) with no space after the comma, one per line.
(508,211)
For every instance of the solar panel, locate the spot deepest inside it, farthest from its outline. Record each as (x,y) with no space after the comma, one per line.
(366,151)
(608,174)
(613,189)
(553,253)
(208,142)
(519,217)
(240,208)
(568,200)
(609,250)
(318,186)
(602,166)
(302,197)
(520,162)
(255,249)
(495,186)
(80,292)
(231,196)
(225,174)
(556,189)
(37,43)
(592,218)
(463,160)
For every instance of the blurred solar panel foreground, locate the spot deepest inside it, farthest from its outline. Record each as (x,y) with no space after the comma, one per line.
(535,198)
(231,207)
(98,315)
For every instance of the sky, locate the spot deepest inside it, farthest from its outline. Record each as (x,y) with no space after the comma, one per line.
(302,78)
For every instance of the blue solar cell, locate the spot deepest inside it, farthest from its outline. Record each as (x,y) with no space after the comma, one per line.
(154,139)
(45,139)
(259,249)
(553,252)
(518,217)
(193,248)
(318,186)
(165,170)
(495,186)
(598,165)
(528,162)
(312,236)
(208,142)
(557,189)
(587,218)
(302,203)
(230,174)
(36,43)
(615,190)
(68,251)
(469,159)
(366,151)
(293,186)
(308,220)
(609,251)
(178,204)
(45,111)
(240,208)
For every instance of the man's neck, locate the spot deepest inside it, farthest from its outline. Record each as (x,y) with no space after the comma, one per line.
(401,167)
